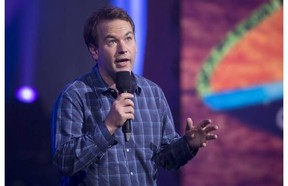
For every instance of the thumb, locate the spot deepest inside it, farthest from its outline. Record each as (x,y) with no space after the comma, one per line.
(189,124)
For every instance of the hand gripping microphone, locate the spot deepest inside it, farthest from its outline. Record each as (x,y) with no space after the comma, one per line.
(123,85)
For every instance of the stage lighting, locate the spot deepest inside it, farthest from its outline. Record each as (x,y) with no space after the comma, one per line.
(26,94)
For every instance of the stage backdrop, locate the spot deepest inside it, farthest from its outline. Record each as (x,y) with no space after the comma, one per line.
(232,72)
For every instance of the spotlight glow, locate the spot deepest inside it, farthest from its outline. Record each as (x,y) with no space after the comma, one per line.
(26,94)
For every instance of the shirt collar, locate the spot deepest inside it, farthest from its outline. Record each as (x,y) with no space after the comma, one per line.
(104,88)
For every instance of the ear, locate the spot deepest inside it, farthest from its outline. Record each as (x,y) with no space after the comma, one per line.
(93,51)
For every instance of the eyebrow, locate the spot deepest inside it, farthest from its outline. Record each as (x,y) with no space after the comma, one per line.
(111,36)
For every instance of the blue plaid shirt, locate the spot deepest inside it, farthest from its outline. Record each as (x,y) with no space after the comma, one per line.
(87,154)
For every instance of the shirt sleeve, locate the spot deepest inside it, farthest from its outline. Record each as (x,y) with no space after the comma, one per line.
(174,155)
(174,151)
(74,151)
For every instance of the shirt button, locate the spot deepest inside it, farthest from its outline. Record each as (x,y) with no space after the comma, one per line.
(131,173)
(127,150)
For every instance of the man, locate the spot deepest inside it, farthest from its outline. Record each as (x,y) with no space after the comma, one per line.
(88,143)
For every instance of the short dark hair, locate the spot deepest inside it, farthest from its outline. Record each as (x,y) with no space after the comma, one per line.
(105,13)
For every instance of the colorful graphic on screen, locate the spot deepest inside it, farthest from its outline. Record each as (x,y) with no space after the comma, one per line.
(247,67)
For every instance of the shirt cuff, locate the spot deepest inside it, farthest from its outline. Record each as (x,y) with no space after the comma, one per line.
(192,151)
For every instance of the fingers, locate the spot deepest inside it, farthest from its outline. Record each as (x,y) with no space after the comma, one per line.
(210,128)
(121,110)
(204,123)
(199,135)
(189,124)
(128,103)
(124,107)
(125,96)
(211,136)
(128,112)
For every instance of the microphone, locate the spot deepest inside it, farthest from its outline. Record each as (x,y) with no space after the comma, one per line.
(123,85)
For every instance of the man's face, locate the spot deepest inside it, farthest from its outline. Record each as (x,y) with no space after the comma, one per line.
(117,48)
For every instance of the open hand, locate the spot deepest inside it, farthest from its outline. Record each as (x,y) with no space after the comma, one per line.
(198,135)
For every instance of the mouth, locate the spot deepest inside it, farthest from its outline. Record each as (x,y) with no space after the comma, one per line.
(122,62)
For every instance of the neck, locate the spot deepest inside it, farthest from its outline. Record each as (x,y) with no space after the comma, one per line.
(108,79)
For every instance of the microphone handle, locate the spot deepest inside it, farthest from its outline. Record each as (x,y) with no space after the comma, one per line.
(126,128)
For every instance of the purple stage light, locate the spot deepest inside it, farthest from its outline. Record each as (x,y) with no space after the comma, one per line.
(26,94)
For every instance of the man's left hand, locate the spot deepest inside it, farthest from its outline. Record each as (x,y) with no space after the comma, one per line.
(198,135)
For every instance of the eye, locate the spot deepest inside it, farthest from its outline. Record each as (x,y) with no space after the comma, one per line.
(129,38)
(111,42)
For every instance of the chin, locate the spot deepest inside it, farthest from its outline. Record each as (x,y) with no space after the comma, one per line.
(123,69)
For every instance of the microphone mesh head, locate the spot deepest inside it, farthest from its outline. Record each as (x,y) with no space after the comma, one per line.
(123,81)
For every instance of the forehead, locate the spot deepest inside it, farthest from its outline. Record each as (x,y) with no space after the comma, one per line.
(115,27)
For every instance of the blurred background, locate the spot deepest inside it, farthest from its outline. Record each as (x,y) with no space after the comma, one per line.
(218,59)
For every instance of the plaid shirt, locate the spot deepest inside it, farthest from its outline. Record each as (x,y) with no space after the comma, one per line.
(87,154)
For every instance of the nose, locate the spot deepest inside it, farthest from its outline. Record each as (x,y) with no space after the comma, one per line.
(122,48)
